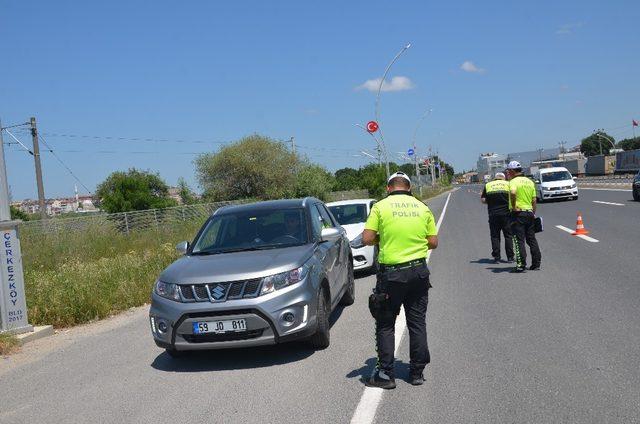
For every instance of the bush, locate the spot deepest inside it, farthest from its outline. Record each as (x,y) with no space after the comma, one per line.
(133,191)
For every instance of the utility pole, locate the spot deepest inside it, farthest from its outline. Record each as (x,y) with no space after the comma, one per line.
(36,158)
(562,143)
(293,145)
(5,213)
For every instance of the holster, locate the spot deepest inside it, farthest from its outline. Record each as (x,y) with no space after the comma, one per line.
(379,307)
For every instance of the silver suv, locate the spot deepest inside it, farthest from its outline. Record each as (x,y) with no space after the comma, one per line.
(256,274)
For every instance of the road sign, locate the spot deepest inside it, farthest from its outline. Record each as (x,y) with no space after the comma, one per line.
(410,152)
(372,126)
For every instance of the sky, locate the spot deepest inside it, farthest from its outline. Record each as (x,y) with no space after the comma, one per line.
(151,84)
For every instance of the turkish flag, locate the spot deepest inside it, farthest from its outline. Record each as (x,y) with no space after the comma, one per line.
(634,122)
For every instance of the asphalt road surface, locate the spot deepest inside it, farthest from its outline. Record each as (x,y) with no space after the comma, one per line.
(549,346)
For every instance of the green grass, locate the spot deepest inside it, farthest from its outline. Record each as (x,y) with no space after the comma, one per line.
(8,343)
(430,192)
(79,276)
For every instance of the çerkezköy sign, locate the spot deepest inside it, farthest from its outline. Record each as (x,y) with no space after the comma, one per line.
(13,305)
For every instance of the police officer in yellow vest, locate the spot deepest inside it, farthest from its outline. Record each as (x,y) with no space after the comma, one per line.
(496,196)
(404,230)
(523,210)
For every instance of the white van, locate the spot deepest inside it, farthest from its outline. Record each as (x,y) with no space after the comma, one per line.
(555,183)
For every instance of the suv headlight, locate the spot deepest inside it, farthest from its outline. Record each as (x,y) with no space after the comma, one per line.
(356,243)
(167,290)
(574,185)
(284,279)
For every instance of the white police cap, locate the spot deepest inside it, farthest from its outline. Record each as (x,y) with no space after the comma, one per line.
(399,174)
(514,164)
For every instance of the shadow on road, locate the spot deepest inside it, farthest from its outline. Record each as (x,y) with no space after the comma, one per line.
(482,261)
(497,270)
(233,359)
(363,373)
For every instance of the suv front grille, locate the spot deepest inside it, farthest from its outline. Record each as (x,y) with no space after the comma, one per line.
(221,292)
(226,337)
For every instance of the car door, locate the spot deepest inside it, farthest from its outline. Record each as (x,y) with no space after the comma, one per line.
(333,259)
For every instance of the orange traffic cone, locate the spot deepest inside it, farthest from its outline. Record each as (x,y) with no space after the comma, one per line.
(580,230)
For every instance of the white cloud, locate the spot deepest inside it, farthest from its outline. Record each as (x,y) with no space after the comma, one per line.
(469,66)
(565,29)
(396,84)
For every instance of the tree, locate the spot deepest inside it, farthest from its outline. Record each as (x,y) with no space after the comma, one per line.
(408,168)
(133,190)
(18,214)
(253,167)
(596,144)
(313,180)
(629,143)
(347,179)
(187,197)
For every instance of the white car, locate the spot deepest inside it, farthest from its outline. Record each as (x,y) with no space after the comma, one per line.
(555,183)
(352,214)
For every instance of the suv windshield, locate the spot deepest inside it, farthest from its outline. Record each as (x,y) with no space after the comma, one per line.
(252,230)
(555,176)
(349,214)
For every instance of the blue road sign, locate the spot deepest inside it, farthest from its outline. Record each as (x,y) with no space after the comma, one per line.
(410,152)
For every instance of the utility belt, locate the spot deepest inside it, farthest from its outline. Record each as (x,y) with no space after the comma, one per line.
(404,265)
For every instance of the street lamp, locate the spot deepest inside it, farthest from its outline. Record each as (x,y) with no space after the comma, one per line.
(600,135)
(377,106)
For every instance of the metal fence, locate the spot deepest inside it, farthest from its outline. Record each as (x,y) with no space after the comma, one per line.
(347,195)
(127,222)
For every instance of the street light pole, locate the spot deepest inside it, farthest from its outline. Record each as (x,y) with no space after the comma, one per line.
(377,106)
(415,155)
(377,142)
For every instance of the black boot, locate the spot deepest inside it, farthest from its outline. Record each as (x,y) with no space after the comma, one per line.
(416,378)
(382,379)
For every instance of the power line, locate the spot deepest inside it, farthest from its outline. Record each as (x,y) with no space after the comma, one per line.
(63,164)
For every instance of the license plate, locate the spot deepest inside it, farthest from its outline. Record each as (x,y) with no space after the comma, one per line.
(226,326)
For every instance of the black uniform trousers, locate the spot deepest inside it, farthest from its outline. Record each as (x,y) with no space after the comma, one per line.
(408,287)
(501,224)
(523,228)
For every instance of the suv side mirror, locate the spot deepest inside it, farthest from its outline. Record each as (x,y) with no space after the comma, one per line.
(574,178)
(536,181)
(330,234)
(182,247)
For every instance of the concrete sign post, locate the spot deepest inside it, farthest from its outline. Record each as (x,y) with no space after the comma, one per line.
(13,302)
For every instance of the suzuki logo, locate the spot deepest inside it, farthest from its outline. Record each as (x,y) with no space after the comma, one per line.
(218,292)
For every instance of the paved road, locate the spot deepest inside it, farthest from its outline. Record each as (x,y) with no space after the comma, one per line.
(557,345)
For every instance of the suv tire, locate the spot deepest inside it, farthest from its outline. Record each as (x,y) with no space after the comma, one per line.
(322,337)
(349,296)
(636,195)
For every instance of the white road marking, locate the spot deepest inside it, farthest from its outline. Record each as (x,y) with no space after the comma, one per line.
(366,410)
(608,203)
(605,189)
(582,236)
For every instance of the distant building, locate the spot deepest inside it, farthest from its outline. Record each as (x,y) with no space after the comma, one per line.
(57,206)
(490,163)
(527,158)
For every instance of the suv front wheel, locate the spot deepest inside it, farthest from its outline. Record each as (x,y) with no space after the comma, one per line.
(349,296)
(321,338)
